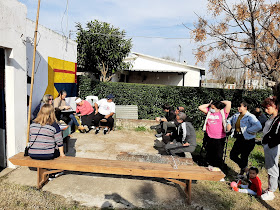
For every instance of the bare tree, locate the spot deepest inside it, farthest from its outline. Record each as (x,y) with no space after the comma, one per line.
(247,31)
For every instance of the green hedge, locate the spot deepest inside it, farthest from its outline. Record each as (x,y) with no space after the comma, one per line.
(150,98)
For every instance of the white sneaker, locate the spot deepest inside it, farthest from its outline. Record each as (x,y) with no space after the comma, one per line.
(159,138)
(268,196)
(86,128)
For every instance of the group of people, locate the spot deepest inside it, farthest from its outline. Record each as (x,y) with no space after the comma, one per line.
(45,139)
(176,135)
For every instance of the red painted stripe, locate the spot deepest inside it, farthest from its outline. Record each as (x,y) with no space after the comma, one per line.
(64,71)
(76,73)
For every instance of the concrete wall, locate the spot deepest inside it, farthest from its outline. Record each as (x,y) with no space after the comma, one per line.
(16,37)
(13,28)
(50,44)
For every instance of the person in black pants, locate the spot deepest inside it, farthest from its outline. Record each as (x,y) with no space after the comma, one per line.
(104,109)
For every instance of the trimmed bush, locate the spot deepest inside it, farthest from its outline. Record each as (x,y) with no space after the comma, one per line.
(150,98)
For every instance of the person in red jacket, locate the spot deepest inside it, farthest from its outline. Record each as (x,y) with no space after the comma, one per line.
(255,184)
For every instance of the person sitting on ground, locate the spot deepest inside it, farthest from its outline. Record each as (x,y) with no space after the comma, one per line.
(170,126)
(260,116)
(244,126)
(86,111)
(104,109)
(169,117)
(45,139)
(255,184)
(47,99)
(184,139)
(60,105)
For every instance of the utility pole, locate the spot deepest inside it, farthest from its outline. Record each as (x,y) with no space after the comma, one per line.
(33,69)
(180,52)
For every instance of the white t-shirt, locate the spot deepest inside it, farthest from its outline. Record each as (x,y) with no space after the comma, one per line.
(105,107)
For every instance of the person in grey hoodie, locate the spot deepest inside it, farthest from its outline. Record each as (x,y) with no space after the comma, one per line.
(244,126)
(184,139)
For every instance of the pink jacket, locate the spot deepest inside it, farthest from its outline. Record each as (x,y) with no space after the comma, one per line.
(85,109)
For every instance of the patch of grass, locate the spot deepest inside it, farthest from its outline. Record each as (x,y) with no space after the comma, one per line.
(119,128)
(23,197)
(141,128)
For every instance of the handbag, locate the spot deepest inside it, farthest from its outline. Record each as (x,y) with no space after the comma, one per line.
(26,150)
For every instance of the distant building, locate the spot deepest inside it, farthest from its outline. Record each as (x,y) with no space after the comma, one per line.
(152,70)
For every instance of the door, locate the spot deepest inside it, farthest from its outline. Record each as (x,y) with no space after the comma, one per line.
(3,158)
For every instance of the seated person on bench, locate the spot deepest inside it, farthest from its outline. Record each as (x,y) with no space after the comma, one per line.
(45,139)
(184,140)
(60,105)
(86,111)
(169,117)
(47,99)
(104,109)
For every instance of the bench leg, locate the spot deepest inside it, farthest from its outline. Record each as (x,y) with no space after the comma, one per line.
(188,190)
(42,176)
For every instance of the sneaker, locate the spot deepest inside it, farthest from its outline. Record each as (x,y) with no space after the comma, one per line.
(105,131)
(86,128)
(160,138)
(96,131)
(222,180)
(268,196)
(51,177)
(153,127)
(158,135)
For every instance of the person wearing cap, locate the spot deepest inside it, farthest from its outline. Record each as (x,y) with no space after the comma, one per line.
(104,109)
(86,111)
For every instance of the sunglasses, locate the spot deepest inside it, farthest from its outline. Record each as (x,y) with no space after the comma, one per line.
(50,99)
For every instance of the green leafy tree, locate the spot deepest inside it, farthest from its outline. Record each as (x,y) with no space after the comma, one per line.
(101,49)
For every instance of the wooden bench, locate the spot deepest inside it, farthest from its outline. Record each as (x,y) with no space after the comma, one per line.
(119,167)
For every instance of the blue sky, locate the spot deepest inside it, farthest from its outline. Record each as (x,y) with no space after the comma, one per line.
(140,19)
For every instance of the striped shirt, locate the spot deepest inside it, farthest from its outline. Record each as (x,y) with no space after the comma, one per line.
(49,138)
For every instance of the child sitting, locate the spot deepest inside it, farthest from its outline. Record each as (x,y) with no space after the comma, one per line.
(255,185)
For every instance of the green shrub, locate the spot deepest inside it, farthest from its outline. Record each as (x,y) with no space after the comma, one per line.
(140,128)
(150,98)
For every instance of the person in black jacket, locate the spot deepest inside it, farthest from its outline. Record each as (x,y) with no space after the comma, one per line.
(184,139)
(169,117)
(271,141)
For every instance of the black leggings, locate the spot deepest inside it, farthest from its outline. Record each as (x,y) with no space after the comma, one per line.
(214,151)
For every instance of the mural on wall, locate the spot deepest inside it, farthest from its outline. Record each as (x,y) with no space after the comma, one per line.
(61,76)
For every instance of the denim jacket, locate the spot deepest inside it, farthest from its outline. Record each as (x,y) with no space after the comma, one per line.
(249,124)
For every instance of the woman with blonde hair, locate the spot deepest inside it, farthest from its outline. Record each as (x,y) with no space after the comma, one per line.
(47,99)
(45,139)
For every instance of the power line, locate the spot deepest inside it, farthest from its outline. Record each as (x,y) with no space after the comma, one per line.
(147,37)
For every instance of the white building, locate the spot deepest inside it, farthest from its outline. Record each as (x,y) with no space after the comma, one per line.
(152,70)
(16,55)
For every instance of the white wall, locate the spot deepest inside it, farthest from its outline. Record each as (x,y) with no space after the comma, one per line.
(12,26)
(16,35)
(50,44)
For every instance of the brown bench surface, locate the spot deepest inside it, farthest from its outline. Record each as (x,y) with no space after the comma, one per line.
(120,167)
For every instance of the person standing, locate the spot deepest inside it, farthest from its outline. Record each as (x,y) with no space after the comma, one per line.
(215,131)
(244,126)
(271,141)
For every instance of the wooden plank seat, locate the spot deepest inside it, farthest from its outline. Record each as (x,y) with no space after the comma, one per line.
(119,167)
